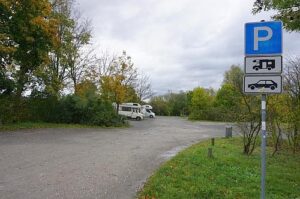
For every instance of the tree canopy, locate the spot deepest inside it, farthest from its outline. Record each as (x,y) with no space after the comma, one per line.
(288,11)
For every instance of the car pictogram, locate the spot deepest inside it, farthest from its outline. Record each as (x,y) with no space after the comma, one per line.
(263,84)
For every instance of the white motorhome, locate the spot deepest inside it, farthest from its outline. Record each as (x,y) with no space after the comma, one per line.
(131,110)
(147,111)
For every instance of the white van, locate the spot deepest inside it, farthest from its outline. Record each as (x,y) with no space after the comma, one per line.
(131,111)
(147,111)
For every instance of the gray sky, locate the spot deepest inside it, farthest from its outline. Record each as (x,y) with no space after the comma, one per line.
(180,44)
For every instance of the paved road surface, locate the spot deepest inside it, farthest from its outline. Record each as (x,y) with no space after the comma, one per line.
(92,163)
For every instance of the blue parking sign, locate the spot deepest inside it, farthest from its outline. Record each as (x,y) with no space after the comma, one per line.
(263,38)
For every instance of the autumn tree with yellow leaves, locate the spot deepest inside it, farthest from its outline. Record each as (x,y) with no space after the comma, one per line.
(120,81)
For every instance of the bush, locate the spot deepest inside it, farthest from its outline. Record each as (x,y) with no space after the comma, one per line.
(91,111)
(70,109)
(6,110)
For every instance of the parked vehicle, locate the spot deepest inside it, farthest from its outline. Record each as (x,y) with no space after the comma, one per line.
(263,83)
(131,110)
(147,111)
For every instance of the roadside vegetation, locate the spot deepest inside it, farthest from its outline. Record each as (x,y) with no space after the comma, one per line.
(39,125)
(51,73)
(230,104)
(229,174)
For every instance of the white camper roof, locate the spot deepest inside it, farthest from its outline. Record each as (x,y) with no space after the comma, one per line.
(147,106)
(131,105)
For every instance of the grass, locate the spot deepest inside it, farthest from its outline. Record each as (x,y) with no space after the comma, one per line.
(230,174)
(39,125)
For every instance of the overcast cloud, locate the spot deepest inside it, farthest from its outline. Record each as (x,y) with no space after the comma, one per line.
(181,44)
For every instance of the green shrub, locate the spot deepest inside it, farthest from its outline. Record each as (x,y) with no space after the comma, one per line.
(70,109)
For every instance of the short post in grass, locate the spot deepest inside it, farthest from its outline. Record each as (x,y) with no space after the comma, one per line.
(213,141)
(228,132)
(210,153)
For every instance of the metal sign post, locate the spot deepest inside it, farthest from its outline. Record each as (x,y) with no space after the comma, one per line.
(263,144)
(263,68)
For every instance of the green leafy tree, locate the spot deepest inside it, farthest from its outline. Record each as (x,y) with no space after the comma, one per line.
(175,104)
(28,34)
(288,11)
(68,61)
(7,85)
(227,103)
(160,105)
(234,77)
(178,104)
(201,103)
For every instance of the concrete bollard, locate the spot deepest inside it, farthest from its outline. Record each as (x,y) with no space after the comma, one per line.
(228,132)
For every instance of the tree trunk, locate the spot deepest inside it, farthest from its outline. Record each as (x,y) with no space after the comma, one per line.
(118,106)
(20,84)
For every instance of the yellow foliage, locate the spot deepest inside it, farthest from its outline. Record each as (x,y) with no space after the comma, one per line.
(118,84)
(85,88)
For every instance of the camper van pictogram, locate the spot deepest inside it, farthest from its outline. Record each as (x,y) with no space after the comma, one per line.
(264,64)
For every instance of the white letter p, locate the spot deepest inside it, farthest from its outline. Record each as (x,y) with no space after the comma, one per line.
(258,39)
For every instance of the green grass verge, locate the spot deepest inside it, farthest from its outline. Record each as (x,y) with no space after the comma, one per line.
(230,174)
(39,125)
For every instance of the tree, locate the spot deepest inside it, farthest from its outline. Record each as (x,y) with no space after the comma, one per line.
(277,118)
(227,97)
(160,105)
(122,77)
(234,77)
(86,88)
(292,78)
(78,57)
(227,102)
(249,122)
(7,85)
(54,73)
(177,103)
(28,34)
(68,60)
(248,113)
(292,87)
(80,67)
(288,11)
(104,64)
(143,87)
(201,102)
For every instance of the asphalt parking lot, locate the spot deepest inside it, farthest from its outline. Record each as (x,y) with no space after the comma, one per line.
(93,163)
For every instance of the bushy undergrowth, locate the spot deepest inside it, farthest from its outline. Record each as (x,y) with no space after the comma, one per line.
(70,109)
